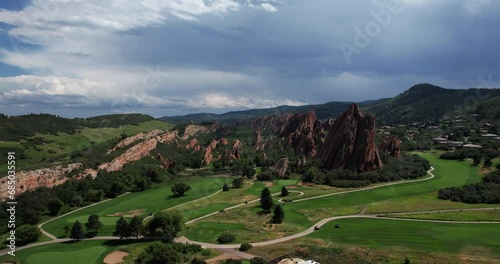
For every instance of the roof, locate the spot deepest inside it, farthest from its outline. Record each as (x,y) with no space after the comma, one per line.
(471,146)
(489,135)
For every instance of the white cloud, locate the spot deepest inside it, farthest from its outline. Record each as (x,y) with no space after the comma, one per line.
(221,101)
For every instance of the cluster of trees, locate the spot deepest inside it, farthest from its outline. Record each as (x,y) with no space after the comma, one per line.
(408,167)
(476,155)
(164,225)
(159,252)
(267,204)
(92,227)
(486,191)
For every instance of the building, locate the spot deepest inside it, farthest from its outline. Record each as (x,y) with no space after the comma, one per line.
(471,146)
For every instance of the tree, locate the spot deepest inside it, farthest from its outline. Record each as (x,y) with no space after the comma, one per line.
(179,189)
(93,224)
(476,160)
(245,247)
(225,188)
(167,238)
(284,191)
(226,238)
(116,189)
(121,228)
(54,206)
(279,215)
(258,261)
(266,200)
(238,182)
(198,261)
(158,252)
(487,162)
(76,201)
(164,222)
(77,231)
(26,234)
(232,261)
(135,226)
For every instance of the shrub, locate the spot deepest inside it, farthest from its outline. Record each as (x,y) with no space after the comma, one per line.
(245,247)
(226,238)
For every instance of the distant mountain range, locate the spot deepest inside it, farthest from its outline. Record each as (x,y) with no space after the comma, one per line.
(421,103)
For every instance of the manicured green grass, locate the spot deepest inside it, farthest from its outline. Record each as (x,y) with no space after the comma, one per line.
(149,202)
(484,215)
(447,173)
(83,252)
(286,182)
(429,237)
(210,231)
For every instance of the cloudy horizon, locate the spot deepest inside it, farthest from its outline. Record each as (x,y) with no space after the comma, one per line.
(81,58)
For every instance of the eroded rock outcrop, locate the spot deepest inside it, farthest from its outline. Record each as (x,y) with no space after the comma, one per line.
(299,132)
(192,130)
(350,143)
(392,146)
(134,138)
(30,180)
(281,167)
(235,153)
(166,163)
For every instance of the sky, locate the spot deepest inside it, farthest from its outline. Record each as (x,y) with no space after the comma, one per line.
(81,58)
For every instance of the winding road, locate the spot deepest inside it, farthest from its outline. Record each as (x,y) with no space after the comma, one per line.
(231,247)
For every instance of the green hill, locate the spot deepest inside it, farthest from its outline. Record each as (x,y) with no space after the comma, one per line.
(18,127)
(426,102)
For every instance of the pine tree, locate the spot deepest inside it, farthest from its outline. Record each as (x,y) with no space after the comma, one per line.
(135,226)
(225,188)
(284,191)
(122,228)
(93,224)
(279,215)
(266,200)
(77,231)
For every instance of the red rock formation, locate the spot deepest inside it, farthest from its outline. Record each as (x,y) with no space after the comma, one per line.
(235,153)
(392,146)
(350,144)
(192,143)
(134,138)
(223,141)
(134,153)
(258,138)
(299,132)
(281,167)
(208,155)
(30,180)
(192,130)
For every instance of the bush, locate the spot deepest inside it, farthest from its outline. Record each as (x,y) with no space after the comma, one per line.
(258,261)
(245,247)
(226,238)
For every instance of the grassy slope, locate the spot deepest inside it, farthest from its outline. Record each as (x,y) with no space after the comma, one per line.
(150,201)
(429,237)
(62,144)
